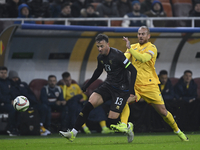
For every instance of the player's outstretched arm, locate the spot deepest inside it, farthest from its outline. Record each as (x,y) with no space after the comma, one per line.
(95,76)
(140,57)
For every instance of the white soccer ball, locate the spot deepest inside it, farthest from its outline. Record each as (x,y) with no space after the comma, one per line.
(21,103)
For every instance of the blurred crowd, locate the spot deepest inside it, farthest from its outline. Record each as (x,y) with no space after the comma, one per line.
(103,8)
(51,99)
(64,100)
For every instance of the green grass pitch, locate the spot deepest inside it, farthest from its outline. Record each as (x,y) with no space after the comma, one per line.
(97,141)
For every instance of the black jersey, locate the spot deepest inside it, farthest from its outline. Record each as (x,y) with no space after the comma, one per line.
(115,64)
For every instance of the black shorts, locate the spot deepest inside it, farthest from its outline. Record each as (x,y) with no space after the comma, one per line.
(118,97)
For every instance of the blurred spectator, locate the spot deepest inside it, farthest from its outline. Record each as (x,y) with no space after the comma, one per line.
(21,88)
(107,8)
(24,12)
(98,114)
(186,88)
(98,1)
(195,12)
(156,11)
(146,6)
(134,14)
(6,101)
(124,7)
(3,11)
(75,98)
(167,92)
(77,6)
(52,97)
(12,8)
(65,13)
(165,86)
(89,12)
(39,9)
(56,7)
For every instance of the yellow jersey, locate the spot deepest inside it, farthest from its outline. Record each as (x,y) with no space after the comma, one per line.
(146,73)
(71,91)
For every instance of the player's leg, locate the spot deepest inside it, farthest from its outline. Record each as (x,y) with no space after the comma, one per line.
(86,129)
(168,118)
(122,126)
(113,118)
(105,129)
(124,109)
(124,118)
(119,102)
(152,95)
(94,101)
(126,126)
(125,114)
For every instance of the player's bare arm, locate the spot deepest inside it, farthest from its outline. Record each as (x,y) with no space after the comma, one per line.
(127,42)
(131,99)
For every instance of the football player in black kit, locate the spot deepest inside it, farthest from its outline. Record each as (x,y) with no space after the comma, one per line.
(115,87)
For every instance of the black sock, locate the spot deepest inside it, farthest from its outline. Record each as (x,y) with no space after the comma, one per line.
(112,121)
(83,115)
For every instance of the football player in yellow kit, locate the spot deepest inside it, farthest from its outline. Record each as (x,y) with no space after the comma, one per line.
(143,57)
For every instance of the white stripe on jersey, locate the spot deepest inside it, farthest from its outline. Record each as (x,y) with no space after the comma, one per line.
(151,52)
(125,61)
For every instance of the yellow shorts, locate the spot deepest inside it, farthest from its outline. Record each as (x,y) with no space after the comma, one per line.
(150,93)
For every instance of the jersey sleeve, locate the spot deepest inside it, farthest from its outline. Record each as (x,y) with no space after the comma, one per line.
(99,64)
(61,97)
(124,61)
(151,50)
(98,71)
(64,89)
(127,54)
(141,57)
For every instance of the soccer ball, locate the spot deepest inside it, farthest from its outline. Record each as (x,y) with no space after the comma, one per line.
(21,103)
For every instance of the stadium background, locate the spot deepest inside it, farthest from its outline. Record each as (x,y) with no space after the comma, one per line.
(35,51)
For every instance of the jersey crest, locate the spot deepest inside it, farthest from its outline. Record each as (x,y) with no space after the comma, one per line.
(57,94)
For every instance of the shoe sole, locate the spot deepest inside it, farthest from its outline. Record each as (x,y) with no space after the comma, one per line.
(65,137)
(61,134)
(117,130)
(184,140)
(130,137)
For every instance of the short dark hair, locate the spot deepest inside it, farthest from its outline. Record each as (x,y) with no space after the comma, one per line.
(101,37)
(89,5)
(187,71)
(65,4)
(51,76)
(65,75)
(3,68)
(163,72)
